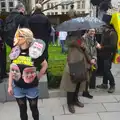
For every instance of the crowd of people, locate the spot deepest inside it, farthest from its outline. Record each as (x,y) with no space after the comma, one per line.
(29,38)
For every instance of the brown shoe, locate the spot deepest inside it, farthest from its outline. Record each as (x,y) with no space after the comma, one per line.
(71,108)
(79,104)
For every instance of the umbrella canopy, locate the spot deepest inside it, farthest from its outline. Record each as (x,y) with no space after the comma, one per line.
(80,23)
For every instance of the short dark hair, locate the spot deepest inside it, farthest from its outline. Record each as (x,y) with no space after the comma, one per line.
(72,6)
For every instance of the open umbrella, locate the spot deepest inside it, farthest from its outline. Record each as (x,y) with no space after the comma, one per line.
(80,23)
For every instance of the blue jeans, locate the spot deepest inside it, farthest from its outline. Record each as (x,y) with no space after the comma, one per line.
(30,93)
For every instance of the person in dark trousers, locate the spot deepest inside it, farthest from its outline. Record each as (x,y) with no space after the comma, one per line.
(91,45)
(14,20)
(3,73)
(108,48)
(41,27)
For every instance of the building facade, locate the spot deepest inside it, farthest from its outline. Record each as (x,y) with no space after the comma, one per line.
(7,5)
(81,6)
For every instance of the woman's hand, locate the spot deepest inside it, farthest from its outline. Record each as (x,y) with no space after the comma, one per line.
(41,73)
(10,90)
(98,46)
(43,69)
(93,62)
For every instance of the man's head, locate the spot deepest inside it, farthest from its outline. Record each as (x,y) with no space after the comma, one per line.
(38,8)
(20,8)
(72,6)
(91,32)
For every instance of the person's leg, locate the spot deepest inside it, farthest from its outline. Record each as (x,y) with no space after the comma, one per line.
(21,100)
(109,75)
(93,80)
(62,46)
(76,95)
(3,63)
(32,95)
(33,106)
(22,103)
(86,92)
(104,85)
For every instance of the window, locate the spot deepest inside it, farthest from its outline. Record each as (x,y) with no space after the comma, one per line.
(56,13)
(63,7)
(3,9)
(56,6)
(48,5)
(52,13)
(63,13)
(11,4)
(83,4)
(66,6)
(83,12)
(48,13)
(52,5)
(78,4)
(2,4)
(11,9)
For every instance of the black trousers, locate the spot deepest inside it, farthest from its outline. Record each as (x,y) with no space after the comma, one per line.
(3,62)
(107,74)
(92,83)
(72,97)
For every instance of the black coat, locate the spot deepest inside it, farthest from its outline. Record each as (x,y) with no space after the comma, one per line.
(41,28)
(109,43)
(20,20)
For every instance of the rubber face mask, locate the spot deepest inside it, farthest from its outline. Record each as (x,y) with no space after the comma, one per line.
(14,52)
(19,38)
(15,71)
(29,74)
(37,48)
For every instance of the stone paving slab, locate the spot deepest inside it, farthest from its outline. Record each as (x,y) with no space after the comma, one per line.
(88,108)
(51,110)
(96,99)
(99,99)
(112,107)
(78,117)
(110,116)
(42,117)
(117,97)
(52,102)
(40,103)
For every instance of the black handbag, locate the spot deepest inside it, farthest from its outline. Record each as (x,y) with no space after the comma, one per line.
(78,72)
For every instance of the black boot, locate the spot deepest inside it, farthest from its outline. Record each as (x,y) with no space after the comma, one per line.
(71,108)
(102,86)
(111,89)
(79,104)
(87,94)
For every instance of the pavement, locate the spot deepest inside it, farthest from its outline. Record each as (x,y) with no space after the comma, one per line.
(103,106)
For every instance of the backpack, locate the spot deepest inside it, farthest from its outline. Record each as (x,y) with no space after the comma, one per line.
(10,28)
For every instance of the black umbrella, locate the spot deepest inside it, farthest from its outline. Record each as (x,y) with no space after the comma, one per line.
(80,23)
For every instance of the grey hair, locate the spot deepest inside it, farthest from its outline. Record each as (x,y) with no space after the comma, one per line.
(39,41)
(19,6)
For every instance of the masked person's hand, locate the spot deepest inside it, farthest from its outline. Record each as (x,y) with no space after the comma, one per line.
(10,90)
